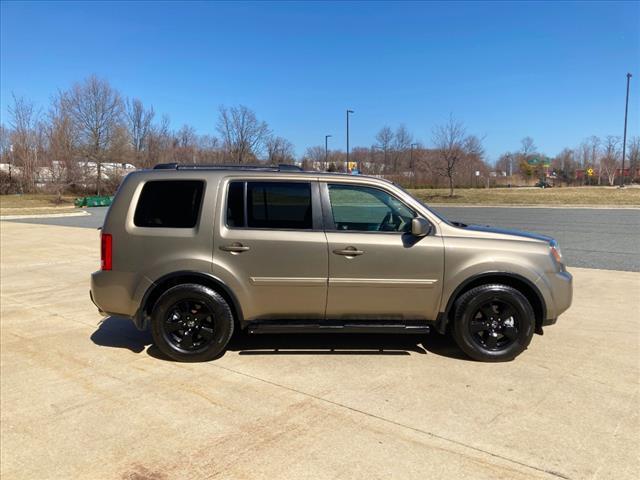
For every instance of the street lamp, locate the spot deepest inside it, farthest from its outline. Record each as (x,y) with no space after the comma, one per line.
(411,164)
(326,152)
(624,141)
(348,112)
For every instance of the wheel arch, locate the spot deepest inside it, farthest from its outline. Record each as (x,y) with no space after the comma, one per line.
(514,280)
(165,282)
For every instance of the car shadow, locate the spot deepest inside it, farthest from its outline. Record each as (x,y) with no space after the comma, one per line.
(116,332)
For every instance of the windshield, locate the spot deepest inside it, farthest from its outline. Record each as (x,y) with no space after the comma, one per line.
(433,211)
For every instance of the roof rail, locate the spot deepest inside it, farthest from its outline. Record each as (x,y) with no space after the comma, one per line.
(283,167)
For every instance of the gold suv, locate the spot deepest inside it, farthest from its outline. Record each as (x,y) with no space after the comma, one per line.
(198,252)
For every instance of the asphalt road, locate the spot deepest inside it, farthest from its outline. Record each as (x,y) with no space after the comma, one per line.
(590,238)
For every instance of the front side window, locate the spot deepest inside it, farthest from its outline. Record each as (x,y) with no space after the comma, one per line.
(169,204)
(274,205)
(366,209)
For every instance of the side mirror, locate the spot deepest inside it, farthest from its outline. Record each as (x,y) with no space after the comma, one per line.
(420,227)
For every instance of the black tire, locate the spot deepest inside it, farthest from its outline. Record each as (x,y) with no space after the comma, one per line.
(191,323)
(493,323)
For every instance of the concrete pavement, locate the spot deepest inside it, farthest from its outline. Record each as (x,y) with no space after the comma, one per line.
(83,397)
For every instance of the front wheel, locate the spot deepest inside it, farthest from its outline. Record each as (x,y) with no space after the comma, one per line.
(493,323)
(191,323)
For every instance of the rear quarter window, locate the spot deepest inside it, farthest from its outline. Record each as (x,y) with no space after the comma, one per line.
(169,204)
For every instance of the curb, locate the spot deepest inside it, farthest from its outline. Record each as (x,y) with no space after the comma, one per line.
(44,215)
(566,207)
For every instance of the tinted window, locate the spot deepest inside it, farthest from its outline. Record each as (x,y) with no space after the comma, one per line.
(368,209)
(235,205)
(169,204)
(279,205)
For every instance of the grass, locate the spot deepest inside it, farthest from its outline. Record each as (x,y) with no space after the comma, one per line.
(38,204)
(582,196)
(34,204)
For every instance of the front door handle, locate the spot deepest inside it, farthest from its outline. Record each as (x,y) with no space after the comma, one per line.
(348,252)
(234,248)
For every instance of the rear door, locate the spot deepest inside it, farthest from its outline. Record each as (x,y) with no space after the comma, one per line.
(271,243)
(377,269)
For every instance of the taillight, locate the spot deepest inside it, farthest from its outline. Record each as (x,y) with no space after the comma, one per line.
(106,248)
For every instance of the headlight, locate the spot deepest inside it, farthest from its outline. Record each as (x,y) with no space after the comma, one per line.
(555,251)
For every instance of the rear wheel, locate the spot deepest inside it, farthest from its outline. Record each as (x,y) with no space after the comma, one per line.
(493,323)
(191,323)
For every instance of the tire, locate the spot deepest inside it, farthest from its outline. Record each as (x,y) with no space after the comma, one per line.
(191,323)
(493,323)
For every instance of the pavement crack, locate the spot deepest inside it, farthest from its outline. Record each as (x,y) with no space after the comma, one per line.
(553,473)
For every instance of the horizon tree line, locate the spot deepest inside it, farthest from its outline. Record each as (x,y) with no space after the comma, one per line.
(92,124)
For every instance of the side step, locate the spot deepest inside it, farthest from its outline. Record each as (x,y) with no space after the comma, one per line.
(338,327)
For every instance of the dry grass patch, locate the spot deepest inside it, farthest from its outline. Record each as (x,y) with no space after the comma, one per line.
(583,196)
(34,203)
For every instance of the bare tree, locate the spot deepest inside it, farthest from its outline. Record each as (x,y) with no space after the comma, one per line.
(528,146)
(279,150)
(610,157)
(313,158)
(243,134)
(594,155)
(139,123)
(401,145)
(24,121)
(63,146)
(96,109)
(385,141)
(634,157)
(185,144)
(565,164)
(450,141)
(5,144)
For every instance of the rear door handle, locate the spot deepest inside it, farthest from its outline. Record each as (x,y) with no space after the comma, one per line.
(234,248)
(349,252)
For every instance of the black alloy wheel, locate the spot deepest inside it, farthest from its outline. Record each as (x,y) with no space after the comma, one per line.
(494,325)
(192,323)
(189,325)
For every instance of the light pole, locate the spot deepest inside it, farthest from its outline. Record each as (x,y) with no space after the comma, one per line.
(326,152)
(624,138)
(348,112)
(411,164)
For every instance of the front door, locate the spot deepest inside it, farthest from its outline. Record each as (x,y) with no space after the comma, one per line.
(377,269)
(272,250)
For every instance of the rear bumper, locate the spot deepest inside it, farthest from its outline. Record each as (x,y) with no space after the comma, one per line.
(115,293)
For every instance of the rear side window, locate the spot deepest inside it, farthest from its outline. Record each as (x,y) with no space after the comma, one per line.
(169,204)
(235,205)
(277,205)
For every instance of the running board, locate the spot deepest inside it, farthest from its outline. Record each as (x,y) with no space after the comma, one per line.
(334,327)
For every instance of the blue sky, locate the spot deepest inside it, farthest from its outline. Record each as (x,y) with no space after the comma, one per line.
(553,71)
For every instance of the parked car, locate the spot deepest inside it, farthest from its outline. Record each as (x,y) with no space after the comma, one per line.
(543,184)
(196,253)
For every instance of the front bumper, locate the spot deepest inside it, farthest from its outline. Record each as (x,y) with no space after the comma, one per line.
(560,286)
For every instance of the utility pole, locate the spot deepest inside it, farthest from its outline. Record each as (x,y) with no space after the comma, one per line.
(624,138)
(348,112)
(326,152)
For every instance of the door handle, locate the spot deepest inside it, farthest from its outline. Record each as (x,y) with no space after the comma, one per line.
(348,252)
(234,248)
